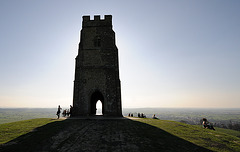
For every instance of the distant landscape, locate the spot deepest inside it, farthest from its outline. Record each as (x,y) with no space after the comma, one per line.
(223,118)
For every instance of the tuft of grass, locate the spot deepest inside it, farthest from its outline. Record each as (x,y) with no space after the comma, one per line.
(10,131)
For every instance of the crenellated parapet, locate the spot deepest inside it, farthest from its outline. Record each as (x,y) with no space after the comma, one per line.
(87,22)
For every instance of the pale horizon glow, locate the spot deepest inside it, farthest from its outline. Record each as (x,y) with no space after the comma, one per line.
(172,54)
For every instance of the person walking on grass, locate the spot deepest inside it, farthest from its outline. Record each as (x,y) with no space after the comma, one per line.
(58,111)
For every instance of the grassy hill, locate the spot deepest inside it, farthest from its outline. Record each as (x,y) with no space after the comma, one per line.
(113,135)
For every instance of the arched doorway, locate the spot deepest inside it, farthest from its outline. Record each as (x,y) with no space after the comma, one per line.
(96,97)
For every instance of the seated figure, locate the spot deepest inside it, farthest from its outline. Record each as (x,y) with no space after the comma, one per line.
(206,124)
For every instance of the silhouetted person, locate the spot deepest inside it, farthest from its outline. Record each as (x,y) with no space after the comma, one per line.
(59,111)
(64,113)
(138,115)
(67,112)
(71,109)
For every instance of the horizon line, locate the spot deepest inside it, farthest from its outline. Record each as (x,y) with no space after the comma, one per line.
(130,107)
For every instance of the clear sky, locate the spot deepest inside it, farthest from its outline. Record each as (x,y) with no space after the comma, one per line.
(172,53)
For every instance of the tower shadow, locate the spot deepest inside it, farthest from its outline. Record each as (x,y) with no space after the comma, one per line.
(99,135)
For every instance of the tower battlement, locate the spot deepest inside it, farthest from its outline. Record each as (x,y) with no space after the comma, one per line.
(97,21)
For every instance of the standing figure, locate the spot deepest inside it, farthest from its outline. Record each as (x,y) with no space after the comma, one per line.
(71,110)
(59,111)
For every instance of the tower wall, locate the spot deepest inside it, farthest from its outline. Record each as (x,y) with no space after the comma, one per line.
(97,70)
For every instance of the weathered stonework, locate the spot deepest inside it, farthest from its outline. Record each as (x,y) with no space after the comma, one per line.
(97,70)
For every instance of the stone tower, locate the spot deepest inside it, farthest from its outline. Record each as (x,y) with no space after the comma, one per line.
(97,70)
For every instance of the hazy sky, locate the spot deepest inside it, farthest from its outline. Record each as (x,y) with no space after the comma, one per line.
(172,53)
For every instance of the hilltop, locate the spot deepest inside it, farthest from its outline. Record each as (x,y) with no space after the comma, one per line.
(112,135)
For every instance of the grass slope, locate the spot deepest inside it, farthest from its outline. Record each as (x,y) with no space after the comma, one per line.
(213,140)
(147,134)
(229,131)
(10,131)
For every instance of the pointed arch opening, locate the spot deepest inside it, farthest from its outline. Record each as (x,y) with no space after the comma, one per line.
(96,98)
